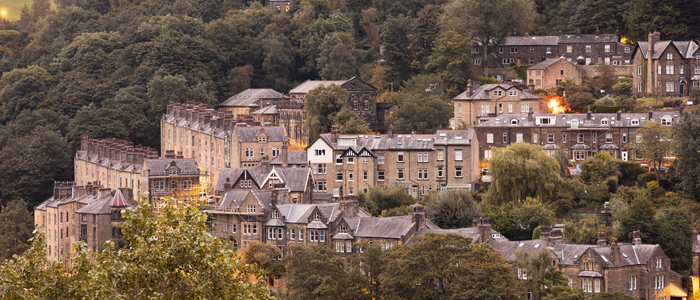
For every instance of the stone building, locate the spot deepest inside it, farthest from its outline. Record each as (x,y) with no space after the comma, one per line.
(583,48)
(347,164)
(215,140)
(362,99)
(250,100)
(552,72)
(665,68)
(491,100)
(175,177)
(578,135)
(87,213)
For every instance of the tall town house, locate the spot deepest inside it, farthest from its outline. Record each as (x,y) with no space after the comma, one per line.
(491,100)
(665,68)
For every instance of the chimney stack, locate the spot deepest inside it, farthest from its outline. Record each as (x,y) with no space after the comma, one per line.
(615,255)
(390,131)
(469,88)
(335,131)
(484,229)
(419,217)
(349,206)
(619,115)
(651,67)
(265,164)
(555,238)
(531,88)
(104,192)
(227,184)
(170,154)
(637,238)
(545,232)
(601,239)
(529,115)
(284,155)
(588,114)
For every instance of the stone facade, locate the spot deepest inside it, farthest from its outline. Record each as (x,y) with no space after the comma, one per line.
(552,72)
(349,164)
(491,100)
(578,135)
(665,68)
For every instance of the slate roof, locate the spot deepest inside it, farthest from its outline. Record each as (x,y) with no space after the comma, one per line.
(481,93)
(568,254)
(248,97)
(686,48)
(237,196)
(400,141)
(249,133)
(295,179)
(470,232)
(391,227)
(300,213)
(294,157)
(564,120)
(509,248)
(312,84)
(546,63)
(587,38)
(187,166)
(547,40)
(267,110)
(101,206)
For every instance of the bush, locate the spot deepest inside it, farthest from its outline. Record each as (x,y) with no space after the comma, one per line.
(623,87)
(672,103)
(605,101)
(629,170)
(604,109)
(645,178)
(653,185)
(451,209)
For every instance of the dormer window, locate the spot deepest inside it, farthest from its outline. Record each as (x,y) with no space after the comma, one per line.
(172,172)
(317,216)
(498,93)
(669,56)
(635,122)
(666,121)
(275,214)
(604,122)
(514,122)
(262,139)
(513,93)
(343,227)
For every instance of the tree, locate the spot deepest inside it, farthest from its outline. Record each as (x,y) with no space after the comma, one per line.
(543,278)
(452,60)
(654,144)
(443,266)
(170,256)
(578,96)
(675,232)
(686,146)
(451,209)
(639,214)
(304,281)
(605,101)
(522,170)
(240,78)
(591,15)
(322,104)
(40,8)
(530,214)
(396,33)
(22,89)
(646,16)
(16,226)
(583,231)
(350,122)
(388,197)
(335,61)
(367,265)
(278,63)
(623,87)
(599,167)
(488,22)
(369,24)
(421,107)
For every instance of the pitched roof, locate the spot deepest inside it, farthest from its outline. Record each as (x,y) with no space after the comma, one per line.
(249,96)
(312,84)
(249,133)
(481,93)
(685,48)
(101,206)
(158,167)
(296,179)
(568,254)
(564,120)
(509,248)
(391,227)
(546,63)
(294,157)
(300,213)
(118,199)
(267,110)
(469,232)
(237,196)
(550,40)
(399,141)
(587,38)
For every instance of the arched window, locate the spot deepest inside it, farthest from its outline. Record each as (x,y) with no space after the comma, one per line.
(514,122)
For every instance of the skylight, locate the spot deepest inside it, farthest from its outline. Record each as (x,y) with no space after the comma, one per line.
(625,255)
(443,134)
(521,244)
(537,245)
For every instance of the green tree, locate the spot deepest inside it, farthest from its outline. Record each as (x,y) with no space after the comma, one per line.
(598,14)
(369,24)
(22,89)
(675,232)
(686,146)
(654,145)
(335,61)
(530,214)
(396,34)
(40,8)
(443,266)
(605,101)
(278,63)
(623,87)
(599,167)
(367,265)
(451,209)
(303,279)
(488,22)
(421,107)
(16,226)
(322,105)
(451,59)
(388,197)
(522,170)
(640,215)
(578,96)
(543,278)
(583,231)
(350,122)
(646,16)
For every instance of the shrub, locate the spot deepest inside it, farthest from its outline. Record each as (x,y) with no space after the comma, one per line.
(653,185)
(605,101)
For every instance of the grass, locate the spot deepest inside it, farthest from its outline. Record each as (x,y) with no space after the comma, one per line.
(14,7)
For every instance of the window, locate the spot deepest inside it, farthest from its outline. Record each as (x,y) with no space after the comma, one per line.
(669,69)
(594,137)
(380,159)
(380,175)
(633,283)
(233,228)
(563,137)
(666,121)
(531,60)
(639,137)
(251,209)
(659,282)
(366,104)
(607,48)
(261,139)
(279,233)
(458,172)
(319,168)
(549,50)
(246,229)
(365,159)
(588,48)
(532,50)
(624,138)
(364,175)
(399,157)
(320,152)
(639,70)
(510,106)
(505,138)
(513,50)
(458,155)
(439,155)
(354,105)
(498,93)
(550,138)
(524,107)
(639,87)
(351,160)
(569,49)
(301,234)
(658,69)
(313,236)
(292,233)
(338,159)
(500,50)
(580,138)
(422,157)
(249,152)
(518,137)
(338,176)
(697,69)
(422,174)
(487,154)
(659,263)
(271,233)
(513,93)
(399,174)
(459,107)
(489,138)
(534,138)
(522,273)
(350,175)
(669,56)
(635,122)
(440,172)
(262,153)
(187,185)
(670,86)
(608,138)
(514,122)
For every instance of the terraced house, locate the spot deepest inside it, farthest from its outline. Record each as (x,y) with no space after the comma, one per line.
(491,100)
(347,164)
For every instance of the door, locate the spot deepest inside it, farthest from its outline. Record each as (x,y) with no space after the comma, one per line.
(682,86)
(624,155)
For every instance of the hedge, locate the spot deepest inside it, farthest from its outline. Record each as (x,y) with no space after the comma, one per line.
(604,109)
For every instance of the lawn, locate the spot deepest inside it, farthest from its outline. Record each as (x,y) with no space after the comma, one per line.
(14,7)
